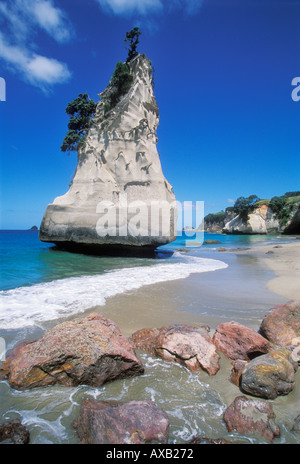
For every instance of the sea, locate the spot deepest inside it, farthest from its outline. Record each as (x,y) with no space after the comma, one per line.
(41,286)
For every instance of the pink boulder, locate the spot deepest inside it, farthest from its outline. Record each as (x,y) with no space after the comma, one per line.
(190,346)
(236,341)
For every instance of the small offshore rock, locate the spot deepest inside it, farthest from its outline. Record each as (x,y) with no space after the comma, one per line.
(270,375)
(236,341)
(211,242)
(251,416)
(13,433)
(190,346)
(87,351)
(111,422)
(282,324)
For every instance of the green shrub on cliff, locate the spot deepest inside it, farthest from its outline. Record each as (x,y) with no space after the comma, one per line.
(81,110)
(214,218)
(282,206)
(120,83)
(245,205)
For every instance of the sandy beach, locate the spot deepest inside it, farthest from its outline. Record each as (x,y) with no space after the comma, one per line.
(256,280)
(284,261)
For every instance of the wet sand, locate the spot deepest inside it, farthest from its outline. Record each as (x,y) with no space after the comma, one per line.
(238,293)
(284,261)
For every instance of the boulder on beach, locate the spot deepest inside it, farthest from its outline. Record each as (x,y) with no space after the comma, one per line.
(89,351)
(247,415)
(282,324)
(190,346)
(112,422)
(12,432)
(270,375)
(236,341)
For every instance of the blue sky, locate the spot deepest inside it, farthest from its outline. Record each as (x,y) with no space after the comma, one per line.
(223,74)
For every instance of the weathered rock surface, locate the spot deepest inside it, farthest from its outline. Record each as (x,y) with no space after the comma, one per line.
(236,341)
(270,375)
(13,433)
(236,371)
(110,422)
(119,191)
(263,221)
(282,324)
(251,416)
(190,346)
(90,351)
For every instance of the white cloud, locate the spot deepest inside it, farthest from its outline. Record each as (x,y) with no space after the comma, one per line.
(51,19)
(19,51)
(144,7)
(43,70)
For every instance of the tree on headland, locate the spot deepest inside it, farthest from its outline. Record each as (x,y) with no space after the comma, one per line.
(132,38)
(245,205)
(81,110)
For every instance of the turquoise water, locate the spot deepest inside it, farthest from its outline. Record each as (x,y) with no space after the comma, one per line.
(25,260)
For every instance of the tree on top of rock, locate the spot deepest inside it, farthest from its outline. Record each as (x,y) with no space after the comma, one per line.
(132,38)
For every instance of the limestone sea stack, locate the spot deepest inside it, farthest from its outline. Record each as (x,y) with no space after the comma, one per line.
(119,198)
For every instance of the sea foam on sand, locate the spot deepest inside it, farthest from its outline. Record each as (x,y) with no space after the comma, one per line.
(33,305)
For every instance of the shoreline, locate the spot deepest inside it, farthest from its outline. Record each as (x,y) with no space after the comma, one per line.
(244,292)
(284,261)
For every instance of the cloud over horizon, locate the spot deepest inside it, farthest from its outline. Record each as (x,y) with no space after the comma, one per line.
(19,21)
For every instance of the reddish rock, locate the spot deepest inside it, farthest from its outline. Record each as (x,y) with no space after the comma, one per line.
(236,341)
(190,346)
(145,340)
(236,371)
(251,416)
(88,351)
(111,422)
(282,324)
(13,433)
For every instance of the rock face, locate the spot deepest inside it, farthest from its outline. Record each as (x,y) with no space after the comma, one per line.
(236,341)
(189,346)
(89,351)
(263,221)
(270,375)
(282,324)
(110,422)
(119,198)
(251,416)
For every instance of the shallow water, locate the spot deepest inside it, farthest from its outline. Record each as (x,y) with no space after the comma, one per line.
(57,285)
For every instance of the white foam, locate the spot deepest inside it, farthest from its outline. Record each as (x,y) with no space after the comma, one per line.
(30,306)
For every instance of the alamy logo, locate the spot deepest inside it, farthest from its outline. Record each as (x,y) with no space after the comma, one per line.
(2,89)
(296,90)
(2,349)
(147,219)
